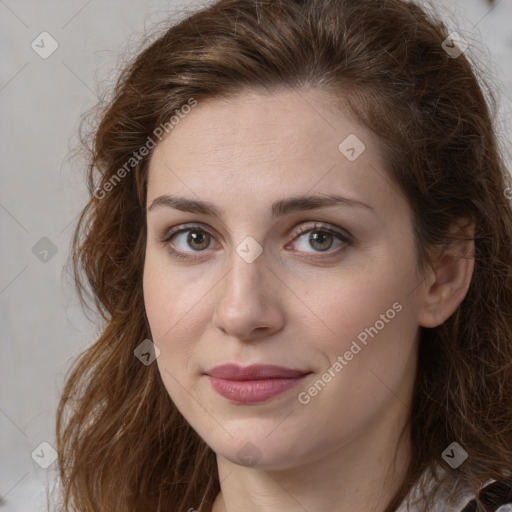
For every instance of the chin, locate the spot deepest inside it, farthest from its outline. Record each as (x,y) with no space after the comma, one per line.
(257,451)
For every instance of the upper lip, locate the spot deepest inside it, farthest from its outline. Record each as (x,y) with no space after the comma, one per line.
(254,372)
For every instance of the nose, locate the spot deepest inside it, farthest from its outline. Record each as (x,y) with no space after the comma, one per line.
(248,305)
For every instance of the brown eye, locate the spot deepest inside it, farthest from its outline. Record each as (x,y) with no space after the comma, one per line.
(196,240)
(188,242)
(185,242)
(320,238)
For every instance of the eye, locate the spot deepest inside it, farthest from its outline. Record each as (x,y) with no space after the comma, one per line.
(188,240)
(321,237)
(185,242)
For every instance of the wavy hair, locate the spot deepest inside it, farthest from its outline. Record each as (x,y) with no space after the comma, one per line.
(122,444)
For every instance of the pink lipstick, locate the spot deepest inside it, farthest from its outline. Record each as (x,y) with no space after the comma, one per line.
(253,384)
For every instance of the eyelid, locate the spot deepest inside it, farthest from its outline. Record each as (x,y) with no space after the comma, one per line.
(323,226)
(169,233)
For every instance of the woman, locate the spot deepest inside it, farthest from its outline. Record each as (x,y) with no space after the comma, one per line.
(299,238)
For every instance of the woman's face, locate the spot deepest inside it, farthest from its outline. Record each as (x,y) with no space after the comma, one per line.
(271,269)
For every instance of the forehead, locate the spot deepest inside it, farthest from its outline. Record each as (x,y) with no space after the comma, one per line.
(258,147)
(284,123)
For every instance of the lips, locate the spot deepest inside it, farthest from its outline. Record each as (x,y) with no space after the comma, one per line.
(253,384)
(254,372)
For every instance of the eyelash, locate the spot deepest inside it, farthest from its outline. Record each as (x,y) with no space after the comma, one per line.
(320,227)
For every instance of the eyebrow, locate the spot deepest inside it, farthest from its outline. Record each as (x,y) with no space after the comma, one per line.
(278,209)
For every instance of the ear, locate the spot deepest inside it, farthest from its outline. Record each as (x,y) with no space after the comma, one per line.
(448,283)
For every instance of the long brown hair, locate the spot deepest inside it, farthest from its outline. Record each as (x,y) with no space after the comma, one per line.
(123,446)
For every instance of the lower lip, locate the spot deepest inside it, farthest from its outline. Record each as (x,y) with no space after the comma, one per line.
(253,391)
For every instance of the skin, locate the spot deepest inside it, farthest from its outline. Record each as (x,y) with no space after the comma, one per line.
(337,451)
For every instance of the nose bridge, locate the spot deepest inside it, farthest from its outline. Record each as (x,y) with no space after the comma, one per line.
(246,302)
(248,268)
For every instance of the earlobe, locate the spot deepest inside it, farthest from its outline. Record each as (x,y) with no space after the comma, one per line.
(452,270)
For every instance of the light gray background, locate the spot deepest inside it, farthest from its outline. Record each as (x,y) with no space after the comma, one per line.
(41,191)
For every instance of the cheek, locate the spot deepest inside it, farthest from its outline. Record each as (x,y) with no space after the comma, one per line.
(162,299)
(176,308)
(369,348)
(351,302)
(171,298)
(157,297)
(369,361)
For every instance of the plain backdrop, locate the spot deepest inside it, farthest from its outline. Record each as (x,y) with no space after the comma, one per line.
(42,97)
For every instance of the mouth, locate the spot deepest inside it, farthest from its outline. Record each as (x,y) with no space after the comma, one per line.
(255,383)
